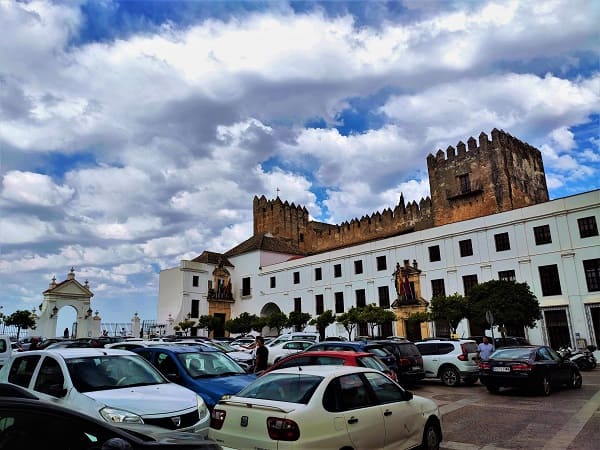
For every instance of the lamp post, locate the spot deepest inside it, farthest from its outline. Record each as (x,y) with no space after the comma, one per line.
(54,312)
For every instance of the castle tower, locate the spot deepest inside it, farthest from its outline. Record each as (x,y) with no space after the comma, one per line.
(492,177)
(283,220)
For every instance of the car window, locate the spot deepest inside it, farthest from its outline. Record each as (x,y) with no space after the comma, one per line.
(427,349)
(353,392)
(408,350)
(294,388)
(50,377)
(371,362)
(385,389)
(469,347)
(444,348)
(554,354)
(295,362)
(511,353)
(165,364)
(209,364)
(378,351)
(327,361)
(22,369)
(544,354)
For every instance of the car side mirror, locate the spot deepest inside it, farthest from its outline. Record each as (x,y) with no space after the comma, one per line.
(408,395)
(57,390)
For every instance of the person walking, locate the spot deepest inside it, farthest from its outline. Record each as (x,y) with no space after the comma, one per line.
(485,349)
(262,355)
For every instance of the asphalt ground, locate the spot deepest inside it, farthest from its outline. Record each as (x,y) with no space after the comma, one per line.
(475,419)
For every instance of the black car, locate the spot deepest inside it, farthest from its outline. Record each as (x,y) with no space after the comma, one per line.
(409,362)
(535,368)
(363,346)
(29,423)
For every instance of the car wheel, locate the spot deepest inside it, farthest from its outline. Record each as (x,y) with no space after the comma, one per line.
(545,386)
(431,437)
(575,381)
(450,376)
(493,389)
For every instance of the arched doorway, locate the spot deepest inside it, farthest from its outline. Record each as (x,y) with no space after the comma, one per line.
(267,310)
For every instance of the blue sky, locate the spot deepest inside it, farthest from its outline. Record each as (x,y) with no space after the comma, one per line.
(135,134)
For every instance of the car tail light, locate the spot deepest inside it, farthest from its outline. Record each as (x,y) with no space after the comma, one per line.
(484,365)
(522,367)
(282,429)
(391,374)
(217,417)
(404,362)
(463,357)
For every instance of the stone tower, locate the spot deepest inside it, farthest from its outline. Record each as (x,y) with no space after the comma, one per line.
(283,220)
(478,180)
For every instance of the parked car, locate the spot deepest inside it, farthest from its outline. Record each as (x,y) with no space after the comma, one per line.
(409,362)
(499,342)
(451,360)
(27,422)
(367,346)
(534,368)
(335,358)
(25,343)
(299,335)
(133,344)
(243,358)
(208,372)
(326,407)
(111,385)
(285,348)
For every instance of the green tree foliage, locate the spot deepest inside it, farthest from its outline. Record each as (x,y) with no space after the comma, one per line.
(298,320)
(374,316)
(322,321)
(242,324)
(349,320)
(419,317)
(210,323)
(22,319)
(512,304)
(186,325)
(277,320)
(451,309)
(259,323)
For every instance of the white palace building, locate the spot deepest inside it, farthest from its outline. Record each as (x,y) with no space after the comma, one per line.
(488,217)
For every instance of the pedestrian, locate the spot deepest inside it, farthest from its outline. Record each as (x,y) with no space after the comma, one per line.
(262,355)
(123,332)
(66,333)
(34,343)
(485,349)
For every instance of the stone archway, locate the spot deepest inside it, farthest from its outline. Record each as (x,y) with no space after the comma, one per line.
(267,310)
(67,293)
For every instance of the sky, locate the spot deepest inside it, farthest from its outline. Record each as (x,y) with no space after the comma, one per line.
(135,134)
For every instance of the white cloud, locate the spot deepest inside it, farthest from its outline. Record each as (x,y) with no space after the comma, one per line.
(34,189)
(24,229)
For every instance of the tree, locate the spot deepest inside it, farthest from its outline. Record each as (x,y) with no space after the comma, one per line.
(242,324)
(259,323)
(512,304)
(186,325)
(322,321)
(420,317)
(22,319)
(349,320)
(209,323)
(277,320)
(298,320)
(375,315)
(450,309)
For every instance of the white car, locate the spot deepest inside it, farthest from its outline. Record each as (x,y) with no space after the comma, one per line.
(283,349)
(299,335)
(450,360)
(109,384)
(325,407)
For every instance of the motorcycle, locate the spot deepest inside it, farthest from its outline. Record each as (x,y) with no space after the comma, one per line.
(584,360)
(589,355)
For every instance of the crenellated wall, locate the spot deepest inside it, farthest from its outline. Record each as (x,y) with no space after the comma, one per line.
(477,179)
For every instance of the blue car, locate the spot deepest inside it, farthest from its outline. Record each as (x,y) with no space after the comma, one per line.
(207,371)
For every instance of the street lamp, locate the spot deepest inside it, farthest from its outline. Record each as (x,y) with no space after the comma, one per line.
(88,313)
(54,312)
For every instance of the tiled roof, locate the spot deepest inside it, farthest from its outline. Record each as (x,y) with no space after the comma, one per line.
(212,258)
(263,242)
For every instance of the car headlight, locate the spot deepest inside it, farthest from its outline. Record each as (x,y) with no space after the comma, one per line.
(202,409)
(120,416)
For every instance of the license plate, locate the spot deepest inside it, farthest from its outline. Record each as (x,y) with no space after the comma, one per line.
(500,369)
(416,368)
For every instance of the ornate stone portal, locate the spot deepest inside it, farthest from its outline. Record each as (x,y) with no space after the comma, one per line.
(220,295)
(408,301)
(67,293)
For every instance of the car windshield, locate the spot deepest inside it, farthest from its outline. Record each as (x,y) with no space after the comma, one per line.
(111,372)
(209,364)
(372,363)
(470,347)
(288,387)
(511,353)
(379,351)
(408,350)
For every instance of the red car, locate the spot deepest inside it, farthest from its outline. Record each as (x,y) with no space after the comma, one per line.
(331,357)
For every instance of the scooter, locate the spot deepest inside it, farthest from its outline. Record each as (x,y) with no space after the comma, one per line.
(589,355)
(580,359)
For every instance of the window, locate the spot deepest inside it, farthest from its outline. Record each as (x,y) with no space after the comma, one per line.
(438,288)
(468,282)
(550,280)
(361,298)
(542,235)
(298,304)
(384,296)
(318,274)
(339,302)
(381,263)
(195,280)
(195,312)
(502,242)
(466,248)
(49,376)
(319,304)
(465,183)
(337,270)
(587,227)
(273,282)
(507,275)
(296,277)
(434,253)
(591,267)
(246,286)
(358,267)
